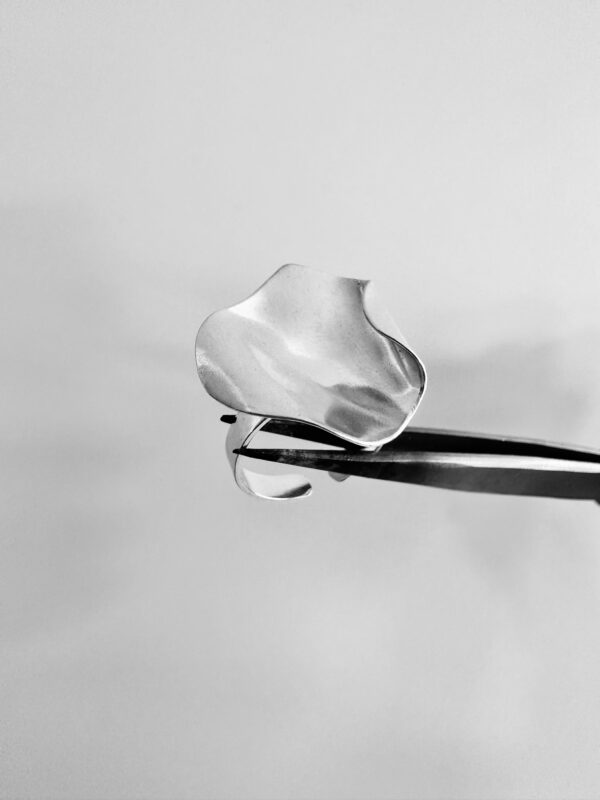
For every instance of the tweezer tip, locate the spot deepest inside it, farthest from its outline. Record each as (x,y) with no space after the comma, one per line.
(255,452)
(281,456)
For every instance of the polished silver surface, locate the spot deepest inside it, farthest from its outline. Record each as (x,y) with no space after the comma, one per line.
(311,347)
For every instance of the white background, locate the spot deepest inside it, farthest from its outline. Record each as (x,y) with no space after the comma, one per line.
(165,636)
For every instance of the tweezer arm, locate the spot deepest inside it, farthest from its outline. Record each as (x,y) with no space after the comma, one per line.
(452,460)
(436,440)
(498,474)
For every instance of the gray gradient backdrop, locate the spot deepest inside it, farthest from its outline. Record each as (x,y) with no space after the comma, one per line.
(165,636)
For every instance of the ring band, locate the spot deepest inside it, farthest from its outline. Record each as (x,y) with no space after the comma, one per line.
(269,487)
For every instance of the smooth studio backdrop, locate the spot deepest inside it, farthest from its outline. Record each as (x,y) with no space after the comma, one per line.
(162,634)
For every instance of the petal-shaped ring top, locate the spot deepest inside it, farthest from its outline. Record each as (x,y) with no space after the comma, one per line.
(313,347)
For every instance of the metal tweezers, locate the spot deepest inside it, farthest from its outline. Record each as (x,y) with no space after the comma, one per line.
(447,460)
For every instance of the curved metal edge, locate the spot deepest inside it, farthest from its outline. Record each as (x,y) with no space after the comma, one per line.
(379,318)
(267,487)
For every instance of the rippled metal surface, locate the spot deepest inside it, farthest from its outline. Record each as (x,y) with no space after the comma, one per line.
(312,347)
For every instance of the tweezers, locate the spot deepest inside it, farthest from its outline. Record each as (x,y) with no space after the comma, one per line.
(445,459)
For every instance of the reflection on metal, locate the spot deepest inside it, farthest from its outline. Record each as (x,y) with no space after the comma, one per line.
(313,348)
